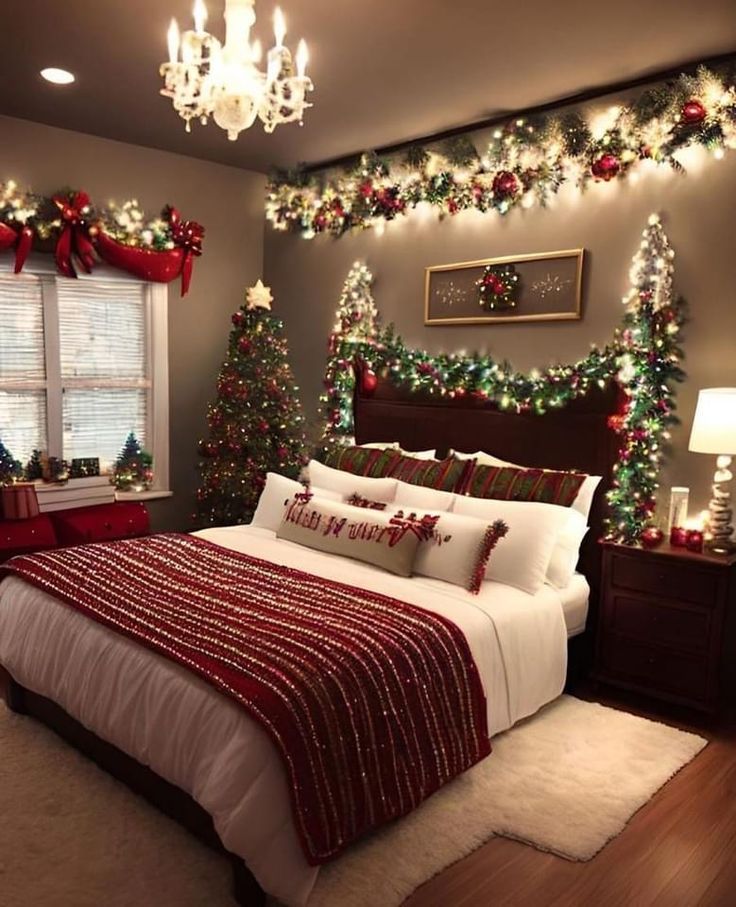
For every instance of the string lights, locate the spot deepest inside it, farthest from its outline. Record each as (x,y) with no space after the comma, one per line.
(643,357)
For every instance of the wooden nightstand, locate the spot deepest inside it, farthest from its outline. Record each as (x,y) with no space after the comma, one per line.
(666,624)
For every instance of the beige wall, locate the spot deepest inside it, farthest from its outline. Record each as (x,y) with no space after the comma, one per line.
(698,211)
(227,201)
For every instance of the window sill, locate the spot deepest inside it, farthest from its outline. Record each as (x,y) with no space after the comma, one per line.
(142,495)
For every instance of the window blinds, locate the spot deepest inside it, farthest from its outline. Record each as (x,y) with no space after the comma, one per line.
(22,365)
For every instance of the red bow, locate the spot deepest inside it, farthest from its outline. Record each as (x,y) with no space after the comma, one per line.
(74,240)
(19,237)
(187,235)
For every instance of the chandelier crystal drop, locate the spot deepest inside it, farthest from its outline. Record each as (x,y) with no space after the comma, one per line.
(205,78)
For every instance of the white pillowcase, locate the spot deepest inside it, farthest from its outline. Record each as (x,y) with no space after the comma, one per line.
(430,499)
(522,558)
(278,490)
(345,483)
(381,445)
(566,552)
(583,500)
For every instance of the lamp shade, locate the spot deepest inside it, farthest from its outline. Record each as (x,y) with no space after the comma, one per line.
(714,425)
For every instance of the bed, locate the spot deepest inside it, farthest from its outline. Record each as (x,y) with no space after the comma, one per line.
(178,741)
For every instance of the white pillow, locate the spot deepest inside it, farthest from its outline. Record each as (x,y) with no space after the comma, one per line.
(276,492)
(457,551)
(429,499)
(382,445)
(419,454)
(566,552)
(523,557)
(583,500)
(345,483)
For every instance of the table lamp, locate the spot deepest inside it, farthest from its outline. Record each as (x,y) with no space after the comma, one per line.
(714,432)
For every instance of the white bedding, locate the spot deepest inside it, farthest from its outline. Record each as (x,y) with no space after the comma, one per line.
(574,598)
(190,734)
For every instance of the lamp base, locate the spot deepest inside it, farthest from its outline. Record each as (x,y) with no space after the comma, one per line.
(720,513)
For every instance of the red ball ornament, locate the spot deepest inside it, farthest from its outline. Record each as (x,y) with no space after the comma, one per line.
(369,381)
(505,184)
(606,167)
(693,112)
(652,537)
(245,344)
(238,319)
(281,452)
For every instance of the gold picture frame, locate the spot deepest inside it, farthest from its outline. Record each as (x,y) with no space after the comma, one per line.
(547,292)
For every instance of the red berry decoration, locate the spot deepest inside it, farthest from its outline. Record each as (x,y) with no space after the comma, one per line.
(693,112)
(606,167)
(505,184)
(651,537)
(369,381)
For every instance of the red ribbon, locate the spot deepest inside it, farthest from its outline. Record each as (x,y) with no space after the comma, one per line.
(19,237)
(74,241)
(187,235)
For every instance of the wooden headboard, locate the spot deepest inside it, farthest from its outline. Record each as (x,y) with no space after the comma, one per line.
(577,436)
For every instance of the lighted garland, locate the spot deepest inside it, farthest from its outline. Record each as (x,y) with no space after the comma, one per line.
(643,357)
(158,249)
(526,162)
(498,287)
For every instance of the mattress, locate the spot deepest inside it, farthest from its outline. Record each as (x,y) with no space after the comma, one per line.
(574,599)
(191,735)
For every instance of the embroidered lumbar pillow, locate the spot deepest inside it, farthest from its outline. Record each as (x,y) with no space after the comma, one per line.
(458,549)
(277,490)
(373,537)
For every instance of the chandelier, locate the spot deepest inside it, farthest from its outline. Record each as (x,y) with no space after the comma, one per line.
(223,80)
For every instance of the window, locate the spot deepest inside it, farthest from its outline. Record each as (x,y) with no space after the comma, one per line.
(82,363)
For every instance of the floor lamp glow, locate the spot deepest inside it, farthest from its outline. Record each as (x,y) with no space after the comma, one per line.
(714,432)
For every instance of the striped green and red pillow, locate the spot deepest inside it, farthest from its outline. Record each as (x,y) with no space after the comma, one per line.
(442,475)
(511,483)
(363,461)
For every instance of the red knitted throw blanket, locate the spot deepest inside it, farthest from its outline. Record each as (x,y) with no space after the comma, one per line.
(372,703)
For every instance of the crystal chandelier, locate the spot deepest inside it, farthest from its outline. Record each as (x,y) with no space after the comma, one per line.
(223,80)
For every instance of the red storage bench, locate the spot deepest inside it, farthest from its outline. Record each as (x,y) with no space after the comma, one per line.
(24,536)
(101,523)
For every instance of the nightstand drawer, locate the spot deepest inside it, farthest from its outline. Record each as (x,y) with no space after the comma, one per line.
(672,672)
(659,577)
(658,622)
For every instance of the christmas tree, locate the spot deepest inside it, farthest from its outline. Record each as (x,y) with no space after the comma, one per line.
(354,333)
(256,423)
(10,469)
(132,470)
(34,467)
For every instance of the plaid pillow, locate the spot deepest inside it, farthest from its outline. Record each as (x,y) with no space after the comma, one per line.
(442,475)
(508,483)
(362,461)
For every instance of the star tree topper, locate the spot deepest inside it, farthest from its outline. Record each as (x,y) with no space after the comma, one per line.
(259,297)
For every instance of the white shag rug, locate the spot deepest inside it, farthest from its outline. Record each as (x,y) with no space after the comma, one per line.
(567,781)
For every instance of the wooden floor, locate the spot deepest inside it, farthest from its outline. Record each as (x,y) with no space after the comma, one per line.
(679,850)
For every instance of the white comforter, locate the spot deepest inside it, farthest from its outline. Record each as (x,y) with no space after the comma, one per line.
(190,734)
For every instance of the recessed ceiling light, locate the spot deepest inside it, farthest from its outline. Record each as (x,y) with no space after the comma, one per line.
(57,76)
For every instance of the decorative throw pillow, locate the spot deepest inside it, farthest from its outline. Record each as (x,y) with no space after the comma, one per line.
(408,496)
(276,492)
(374,538)
(346,483)
(372,462)
(442,475)
(566,552)
(523,558)
(357,500)
(459,548)
(507,483)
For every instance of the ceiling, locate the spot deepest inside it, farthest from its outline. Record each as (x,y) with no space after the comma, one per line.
(384,70)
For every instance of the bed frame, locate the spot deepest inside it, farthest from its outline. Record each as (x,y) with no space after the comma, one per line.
(576,437)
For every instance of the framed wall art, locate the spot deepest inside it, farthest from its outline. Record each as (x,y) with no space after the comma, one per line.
(542,287)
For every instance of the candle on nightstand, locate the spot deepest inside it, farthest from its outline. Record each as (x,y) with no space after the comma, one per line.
(678,537)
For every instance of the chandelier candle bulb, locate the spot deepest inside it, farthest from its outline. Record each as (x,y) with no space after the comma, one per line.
(200,16)
(279,27)
(173,40)
(302,58)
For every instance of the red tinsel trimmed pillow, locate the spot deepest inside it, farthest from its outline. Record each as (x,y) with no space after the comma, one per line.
(442,475)
(508,483)
(371,462)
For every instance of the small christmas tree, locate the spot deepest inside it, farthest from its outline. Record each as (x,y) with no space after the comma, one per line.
(256,423)
(132,470)
(34,467)
(10,469)
(355,333)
